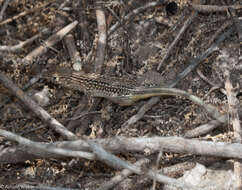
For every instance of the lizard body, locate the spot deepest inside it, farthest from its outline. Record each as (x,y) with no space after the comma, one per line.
(122,91)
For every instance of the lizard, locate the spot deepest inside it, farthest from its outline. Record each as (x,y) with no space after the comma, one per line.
(123,91)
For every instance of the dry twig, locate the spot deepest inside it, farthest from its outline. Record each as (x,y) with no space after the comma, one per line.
(214,86)
(194,63)
(156,144)
(26,86)
(52,40)
(4,7)
(102,41)
(34,107)
(19,46)
(213,8)
(116,162)
(25,13)
(139,144)
(98,68)
(203,129)
(233,102)
(123,174)
(44,147)
(74,54)
(134,13)
(177,38)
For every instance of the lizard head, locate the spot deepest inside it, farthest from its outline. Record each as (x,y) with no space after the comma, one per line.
(54,73)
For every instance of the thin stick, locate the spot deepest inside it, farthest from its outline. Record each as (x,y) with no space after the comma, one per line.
(43,147)
(232,104)
(203,129)
(73,53)
(225,25)
(52,40)
(102,40)
(34,107)
(134,13)
(177,38)
(213,8)
(25,13)
(116,162)
(193,64)
(4,7)
(19,46)
(120,177)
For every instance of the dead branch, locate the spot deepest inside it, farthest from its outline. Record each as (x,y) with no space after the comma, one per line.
(52,40)
(44,147)
(156,144)
(225,25)
(19,46)
(123,174)
(134,13)
(233,103)
(22,153)
(83,24)
(34,107)
(213,8)
(203,129)
(194,63)
(74,54)
(167,144)
(26,13)
(214,86)
(4,7)
(180,168)
(102,41)
(100,154)
(26,86)
(235,20)
(98,68)
(116,162)
(177,38)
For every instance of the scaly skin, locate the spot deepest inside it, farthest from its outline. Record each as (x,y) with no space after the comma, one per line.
(122,91)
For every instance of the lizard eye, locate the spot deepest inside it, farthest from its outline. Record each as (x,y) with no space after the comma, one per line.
(55,77)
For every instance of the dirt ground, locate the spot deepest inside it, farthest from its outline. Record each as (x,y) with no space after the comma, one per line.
(134,49)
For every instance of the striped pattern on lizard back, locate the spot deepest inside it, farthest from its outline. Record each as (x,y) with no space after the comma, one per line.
(91,84)
(120,90)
